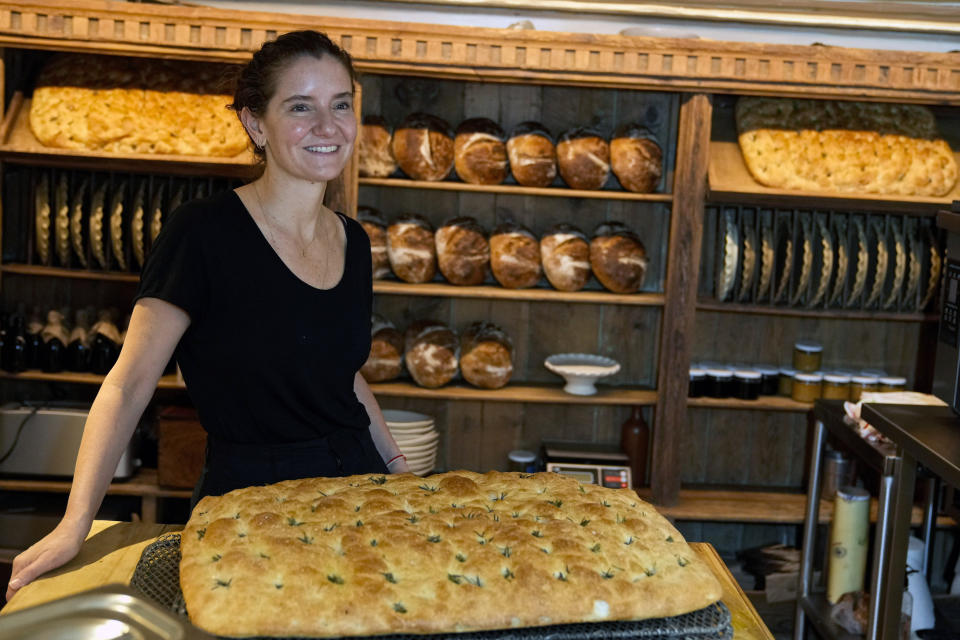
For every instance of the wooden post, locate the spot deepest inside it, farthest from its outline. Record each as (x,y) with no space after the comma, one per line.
(680,295)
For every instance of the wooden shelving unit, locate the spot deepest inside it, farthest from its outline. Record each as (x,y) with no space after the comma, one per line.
(166,382)
(513,189)
(836,314)
(763,403)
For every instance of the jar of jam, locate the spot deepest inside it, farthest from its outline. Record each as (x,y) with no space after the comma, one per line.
(747,384)
(698,383)
(770,379)
(719,383)
(785,381)
(807,387)
(892,383)
(807,355)
(861,384)
(836,386)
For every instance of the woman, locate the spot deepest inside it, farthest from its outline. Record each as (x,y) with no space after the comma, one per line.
(264,295)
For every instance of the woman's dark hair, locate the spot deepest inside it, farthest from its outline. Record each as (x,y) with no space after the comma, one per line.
(257,81)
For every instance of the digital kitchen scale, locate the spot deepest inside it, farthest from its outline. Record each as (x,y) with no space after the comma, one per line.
(599,464)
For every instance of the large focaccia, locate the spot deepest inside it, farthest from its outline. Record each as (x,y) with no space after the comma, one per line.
(845,147)
(130,105)
(371,554)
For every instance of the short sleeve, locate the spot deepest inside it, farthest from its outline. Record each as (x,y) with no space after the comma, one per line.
(175,269)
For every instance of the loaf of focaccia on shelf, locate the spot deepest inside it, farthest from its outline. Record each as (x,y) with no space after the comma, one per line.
(373,554)
(844,147)
(132,105)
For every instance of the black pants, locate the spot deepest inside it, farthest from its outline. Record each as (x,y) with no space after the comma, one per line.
(230,465)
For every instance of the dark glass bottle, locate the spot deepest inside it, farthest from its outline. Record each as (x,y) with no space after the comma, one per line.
(78,356)
(34,350)
(53,356)
(15,346)
(103,354)
(635,442)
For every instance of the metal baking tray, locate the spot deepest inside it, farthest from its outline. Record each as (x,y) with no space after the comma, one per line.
(157,576)
(111,612)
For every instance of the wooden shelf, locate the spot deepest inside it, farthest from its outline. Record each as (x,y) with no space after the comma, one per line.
(166,382)
(840,314)
(537,294)
(511,189)
(519,393)
(19,145)
(773,507)
(763,403)
(60,272)
(730,181)
(143,483)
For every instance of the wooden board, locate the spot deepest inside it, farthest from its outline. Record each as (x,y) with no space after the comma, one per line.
(515,189)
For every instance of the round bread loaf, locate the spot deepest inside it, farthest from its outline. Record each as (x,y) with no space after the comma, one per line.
(583,157)
(374,149)
(532,154)
(431,353)
(618,258)
(636,158)
(486,356)
(463,253)
(479,152)
(376,228)
(514,256)
(386,352)
(411,248)
(565,254)
(423,147)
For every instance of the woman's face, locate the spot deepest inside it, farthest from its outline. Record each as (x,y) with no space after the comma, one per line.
(310,126)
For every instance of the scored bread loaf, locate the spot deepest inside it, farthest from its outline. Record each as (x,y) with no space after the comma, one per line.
(376,228)
(618,258)
(134,105)
(636,158)
(423,147)
(480,155)
(431,353)
(514,256)
(375,554)
(411,248)
(532,155)
(385,361)
(583,157)
(565,254)
(486,355)
(374,148)
(463,253)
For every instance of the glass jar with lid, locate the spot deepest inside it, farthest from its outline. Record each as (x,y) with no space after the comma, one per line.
(807,355)
(719,383)
(836,386)
(770,379)
(861,384)
(747,384)
(807,387)
(785,381)
(892,383)
(698,382)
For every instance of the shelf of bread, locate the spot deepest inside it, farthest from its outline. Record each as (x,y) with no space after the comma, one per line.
(519,392)
(166,382)
(763,403)
(19,144)
(513,189)
(538,294)
(781,311)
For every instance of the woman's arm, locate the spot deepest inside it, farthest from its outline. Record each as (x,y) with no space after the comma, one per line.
(154,331)
(386,446)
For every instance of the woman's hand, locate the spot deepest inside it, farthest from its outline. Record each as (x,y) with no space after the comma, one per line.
(53,550)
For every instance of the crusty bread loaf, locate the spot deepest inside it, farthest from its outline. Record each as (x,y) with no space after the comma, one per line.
(636,158)
(371,554)
(385,361)
(514,256)
(618,258)
(376,228)
(583,157)
(845,147)
(486,355)
(431,353)
(423,147)
(532,155)
(480,155)
(463,253)
(411,248)
(134,105)
(374,148)
(565,255)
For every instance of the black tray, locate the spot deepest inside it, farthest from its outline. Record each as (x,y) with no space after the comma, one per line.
(157,576)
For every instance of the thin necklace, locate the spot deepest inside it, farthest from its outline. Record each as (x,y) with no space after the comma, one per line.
(268,218)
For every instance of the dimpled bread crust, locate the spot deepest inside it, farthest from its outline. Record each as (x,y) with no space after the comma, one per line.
(130,105)
(845,147)
(373,554)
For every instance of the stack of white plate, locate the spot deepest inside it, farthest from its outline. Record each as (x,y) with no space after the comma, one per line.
(417,438)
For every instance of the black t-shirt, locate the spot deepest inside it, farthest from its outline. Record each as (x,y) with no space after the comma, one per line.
(267,358)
